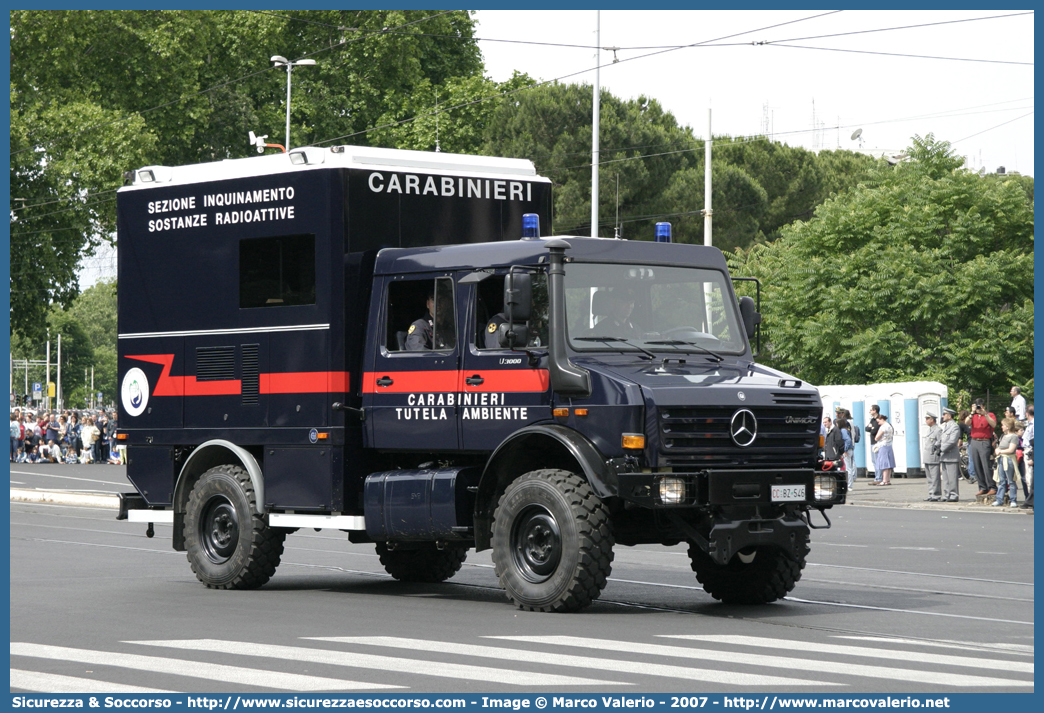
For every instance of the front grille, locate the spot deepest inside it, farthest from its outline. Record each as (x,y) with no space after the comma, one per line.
(795,398)
(698,437)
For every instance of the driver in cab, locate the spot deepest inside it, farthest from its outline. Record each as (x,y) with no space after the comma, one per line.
(618,305)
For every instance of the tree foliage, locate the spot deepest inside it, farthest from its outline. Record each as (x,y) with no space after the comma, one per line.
(658,168)
(925,271)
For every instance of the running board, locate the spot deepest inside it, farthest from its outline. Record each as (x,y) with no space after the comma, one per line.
(336,522)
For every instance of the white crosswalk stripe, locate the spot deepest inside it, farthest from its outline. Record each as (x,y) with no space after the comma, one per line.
(194,669)
(353,659)
(601,664)
(736,661)
(789,663)
(56,683)
(812,647)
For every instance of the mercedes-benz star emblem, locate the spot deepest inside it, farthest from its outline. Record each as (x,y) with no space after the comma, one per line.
(744,428)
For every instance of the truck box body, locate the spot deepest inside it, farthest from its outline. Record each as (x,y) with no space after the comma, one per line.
(216,357)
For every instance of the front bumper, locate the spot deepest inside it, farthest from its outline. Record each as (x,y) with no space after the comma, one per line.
(734,488)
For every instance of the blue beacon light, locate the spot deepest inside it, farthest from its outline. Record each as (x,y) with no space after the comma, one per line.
(663,232)
(530,226)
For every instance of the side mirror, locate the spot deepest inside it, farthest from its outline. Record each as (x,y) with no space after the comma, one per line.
(751,317)
(513,336)
(518,296)
(518,303)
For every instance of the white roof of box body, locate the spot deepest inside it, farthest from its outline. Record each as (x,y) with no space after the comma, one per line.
(358,157)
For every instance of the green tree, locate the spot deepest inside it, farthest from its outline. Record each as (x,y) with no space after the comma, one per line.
(642,147)
(923,272)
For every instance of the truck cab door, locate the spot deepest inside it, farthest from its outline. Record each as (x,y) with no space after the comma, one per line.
(410,395)
(501,391)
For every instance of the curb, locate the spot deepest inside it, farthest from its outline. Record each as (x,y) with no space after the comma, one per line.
(95,500)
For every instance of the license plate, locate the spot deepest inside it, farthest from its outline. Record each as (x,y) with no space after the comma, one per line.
(786,493)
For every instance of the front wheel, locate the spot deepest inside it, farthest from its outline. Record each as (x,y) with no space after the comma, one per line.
(756,576)
(229,545)
(552,542)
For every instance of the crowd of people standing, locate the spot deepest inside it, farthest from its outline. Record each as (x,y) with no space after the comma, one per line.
(66,437)
(997,464)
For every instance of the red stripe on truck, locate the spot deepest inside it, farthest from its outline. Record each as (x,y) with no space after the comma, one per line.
(299,382)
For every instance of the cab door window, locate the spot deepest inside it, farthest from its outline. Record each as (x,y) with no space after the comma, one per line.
(421,316)
(490,313)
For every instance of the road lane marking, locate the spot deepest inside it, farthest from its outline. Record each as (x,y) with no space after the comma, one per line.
(125,483)
(921,574)
(550,659)
(903,611)
(1020,649)
(194,669)
(890,654)
(786,662)
(353,659)
(56,683)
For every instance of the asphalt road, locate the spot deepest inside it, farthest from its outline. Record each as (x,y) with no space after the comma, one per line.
(892,600)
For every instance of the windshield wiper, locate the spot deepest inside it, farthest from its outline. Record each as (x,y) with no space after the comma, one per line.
(615,339)
(676,342)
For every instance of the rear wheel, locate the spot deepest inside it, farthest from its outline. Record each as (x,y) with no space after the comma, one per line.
(552,542)
(758,575)
(424,563)
(229,545)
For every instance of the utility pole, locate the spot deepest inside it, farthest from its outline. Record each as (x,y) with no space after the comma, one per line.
(594,125)
(47,382)
(58,391)
(707,212)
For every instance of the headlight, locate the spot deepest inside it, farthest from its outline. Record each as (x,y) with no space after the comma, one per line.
(826,487)
(672,491)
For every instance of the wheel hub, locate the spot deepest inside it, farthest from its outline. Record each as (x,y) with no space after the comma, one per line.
(219,529)
(536,544)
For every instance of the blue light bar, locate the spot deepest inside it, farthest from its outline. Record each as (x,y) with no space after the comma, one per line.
(663,232)
(530,225)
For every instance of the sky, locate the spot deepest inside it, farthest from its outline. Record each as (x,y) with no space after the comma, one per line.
(787,91)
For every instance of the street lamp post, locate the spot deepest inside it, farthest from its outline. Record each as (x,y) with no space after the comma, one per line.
(279,61)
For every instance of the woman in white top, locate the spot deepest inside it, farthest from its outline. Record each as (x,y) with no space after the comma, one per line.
(884,460)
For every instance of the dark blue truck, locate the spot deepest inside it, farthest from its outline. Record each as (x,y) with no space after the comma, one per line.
(380,342)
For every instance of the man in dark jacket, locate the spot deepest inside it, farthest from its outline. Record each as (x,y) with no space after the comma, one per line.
(833,443)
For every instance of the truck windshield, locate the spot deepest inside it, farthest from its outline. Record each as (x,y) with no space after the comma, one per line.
(650,308)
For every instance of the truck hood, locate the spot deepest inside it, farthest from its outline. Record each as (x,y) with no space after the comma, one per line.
(698,381)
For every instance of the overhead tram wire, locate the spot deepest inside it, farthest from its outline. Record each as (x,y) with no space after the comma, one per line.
(992,128)
(208,89)
(567,76)
(896,54)
(906,27)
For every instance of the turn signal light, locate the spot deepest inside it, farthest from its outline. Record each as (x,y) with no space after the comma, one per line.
(563,412)
(121,436)
(580,412)
(322,436)
(633,440)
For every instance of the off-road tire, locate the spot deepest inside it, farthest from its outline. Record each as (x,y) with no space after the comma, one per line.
(426,563)
(770,576)
(229,545)
(552,542)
